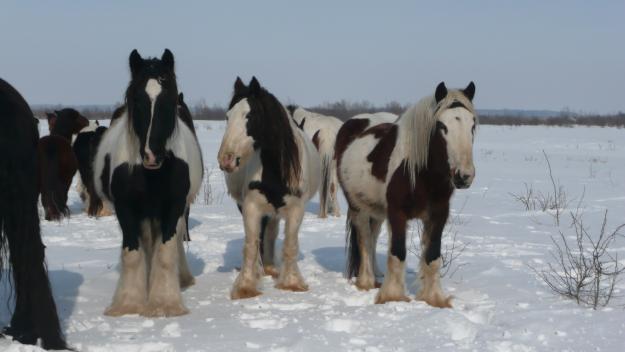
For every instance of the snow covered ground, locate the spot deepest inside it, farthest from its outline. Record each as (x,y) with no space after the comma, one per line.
(499,303)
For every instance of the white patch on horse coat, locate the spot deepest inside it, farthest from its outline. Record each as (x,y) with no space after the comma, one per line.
(459,138)
(235,140)
(153,89)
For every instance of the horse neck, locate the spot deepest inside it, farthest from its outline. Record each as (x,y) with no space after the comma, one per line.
(273,157)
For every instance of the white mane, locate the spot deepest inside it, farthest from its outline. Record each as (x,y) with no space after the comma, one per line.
(416,126)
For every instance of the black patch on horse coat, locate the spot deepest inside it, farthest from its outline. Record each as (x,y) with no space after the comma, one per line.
(118,113)
(105,177)
(381,153)
(184,113)
(457,104)
(315,139)
(35,315)
(292,108)
(142,194)
(269,126)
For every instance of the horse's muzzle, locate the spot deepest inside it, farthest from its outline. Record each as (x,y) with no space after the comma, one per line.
(462,180)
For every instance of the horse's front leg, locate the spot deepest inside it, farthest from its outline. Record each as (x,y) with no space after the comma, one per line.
(431,291)
(290,278)
(394,284)
(131,293)
(164,296)
(245,285)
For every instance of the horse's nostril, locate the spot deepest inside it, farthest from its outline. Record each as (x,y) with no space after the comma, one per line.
(465,177)
(238,161)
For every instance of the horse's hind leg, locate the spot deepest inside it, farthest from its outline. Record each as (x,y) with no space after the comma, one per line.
(334,185)
(186,279)
(270,234)
(394,286)
(376,227)
(290,277)
(431,291)
(365,279)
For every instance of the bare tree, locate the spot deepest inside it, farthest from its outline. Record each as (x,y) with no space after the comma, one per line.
(585,269)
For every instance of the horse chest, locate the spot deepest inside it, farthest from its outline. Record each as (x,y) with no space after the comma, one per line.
(150,191)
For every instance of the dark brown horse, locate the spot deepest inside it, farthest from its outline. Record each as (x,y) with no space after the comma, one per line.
(401,171)
(35,316)
(57,162)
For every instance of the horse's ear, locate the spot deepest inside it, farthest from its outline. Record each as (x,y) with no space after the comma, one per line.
(51,120)
(180,98)
(469,91)
(97,123)
(239,86)
(254,85)
(135,61)
(50,115)
(441,92)
(168,59)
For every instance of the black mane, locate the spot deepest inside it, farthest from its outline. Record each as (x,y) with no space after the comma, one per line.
(268,124)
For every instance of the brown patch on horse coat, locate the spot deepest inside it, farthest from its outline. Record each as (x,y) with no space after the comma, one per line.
(381,153)
(350,130)
(315,139)
(427,201)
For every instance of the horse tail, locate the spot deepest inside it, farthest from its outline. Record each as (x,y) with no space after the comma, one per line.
(326,163)
(187,237)
(351,242)
(51,188)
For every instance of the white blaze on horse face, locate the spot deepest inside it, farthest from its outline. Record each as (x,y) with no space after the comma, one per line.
(153,89)
(459,137)
(236,146)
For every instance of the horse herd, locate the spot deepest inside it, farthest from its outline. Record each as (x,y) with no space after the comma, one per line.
(147,169)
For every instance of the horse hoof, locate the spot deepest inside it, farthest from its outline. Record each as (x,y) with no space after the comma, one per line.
(119,310)
(187,282)
(271,271)
(437,301)
(295,287)
(244,292)
(160,310)
(365,286)
(380,299)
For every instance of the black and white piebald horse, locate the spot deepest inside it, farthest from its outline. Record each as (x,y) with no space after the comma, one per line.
(322,130)
(272,170)
(35,316)
(149,166)
(85,146)
(401,171)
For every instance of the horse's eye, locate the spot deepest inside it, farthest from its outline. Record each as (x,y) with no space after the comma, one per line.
(161,79)
(441,126)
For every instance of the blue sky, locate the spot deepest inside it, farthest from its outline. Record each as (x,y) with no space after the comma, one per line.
(521,54)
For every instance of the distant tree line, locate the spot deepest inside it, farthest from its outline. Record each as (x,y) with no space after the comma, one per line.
(344,109)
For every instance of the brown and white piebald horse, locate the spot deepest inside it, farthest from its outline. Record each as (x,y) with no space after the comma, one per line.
(400,171)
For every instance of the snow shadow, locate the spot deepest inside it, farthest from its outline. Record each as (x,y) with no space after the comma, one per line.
(233,256)
(312,207)
(196,264)
(65,287)
(331,258)
(193,223)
